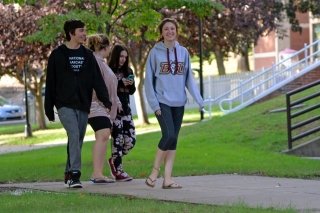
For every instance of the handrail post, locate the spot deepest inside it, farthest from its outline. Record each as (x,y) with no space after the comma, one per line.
(210,102)
(273,75)
(291,116)
(210,107)
(305,54)
(241,91)
(289,121)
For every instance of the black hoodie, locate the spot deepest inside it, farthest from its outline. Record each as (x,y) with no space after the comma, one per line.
(66,88)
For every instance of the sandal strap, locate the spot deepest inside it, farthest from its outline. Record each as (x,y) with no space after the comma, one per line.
(152,180)
(172,185)
(156,169)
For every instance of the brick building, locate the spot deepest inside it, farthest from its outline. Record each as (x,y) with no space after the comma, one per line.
(268,49)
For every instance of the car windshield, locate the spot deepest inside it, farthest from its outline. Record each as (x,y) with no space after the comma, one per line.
(3,101)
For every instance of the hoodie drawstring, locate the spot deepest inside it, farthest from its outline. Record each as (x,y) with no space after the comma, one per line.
(176,61)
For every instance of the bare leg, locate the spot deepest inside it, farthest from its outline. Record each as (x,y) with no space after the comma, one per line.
(168,166)
(99,152)
(160,155)
(151,180)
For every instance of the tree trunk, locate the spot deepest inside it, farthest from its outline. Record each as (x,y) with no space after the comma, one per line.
(241,66)
(220,63)
(243,60)
(246,60)
(40,117)
(138,95)
(140,103)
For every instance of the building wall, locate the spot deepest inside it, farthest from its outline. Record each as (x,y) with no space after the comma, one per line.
(297,39)
(266,44)
(266,52)
(260,63)
(303,18)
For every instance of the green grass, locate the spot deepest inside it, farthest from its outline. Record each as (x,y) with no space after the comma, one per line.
(19,128)
(33,201)
(14,134)
(247,142)
(38,136)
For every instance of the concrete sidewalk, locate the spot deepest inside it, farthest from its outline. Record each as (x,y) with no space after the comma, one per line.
(254,191)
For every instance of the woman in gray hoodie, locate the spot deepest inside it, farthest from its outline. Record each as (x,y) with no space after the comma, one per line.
(168,74)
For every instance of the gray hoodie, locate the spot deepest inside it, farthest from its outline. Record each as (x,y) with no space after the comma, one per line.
(164,84)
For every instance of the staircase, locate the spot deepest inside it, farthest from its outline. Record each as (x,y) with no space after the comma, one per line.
(268,80)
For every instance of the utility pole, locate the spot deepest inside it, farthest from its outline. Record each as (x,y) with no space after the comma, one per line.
(27,127)
(201,63)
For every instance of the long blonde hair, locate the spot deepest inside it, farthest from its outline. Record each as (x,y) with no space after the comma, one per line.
(97,42)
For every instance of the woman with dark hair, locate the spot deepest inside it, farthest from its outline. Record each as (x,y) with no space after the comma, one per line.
(168,75)
(123,132)
(101,118)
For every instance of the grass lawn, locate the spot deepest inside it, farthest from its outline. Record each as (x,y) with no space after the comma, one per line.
(34,201)
(248,142)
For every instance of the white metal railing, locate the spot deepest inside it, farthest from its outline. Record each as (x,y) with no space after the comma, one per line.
(268,80)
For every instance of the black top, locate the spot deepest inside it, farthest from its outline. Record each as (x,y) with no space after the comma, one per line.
(123,91)
(72,86)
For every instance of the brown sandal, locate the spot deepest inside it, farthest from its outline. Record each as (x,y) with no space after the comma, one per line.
(173,185)
(151,183)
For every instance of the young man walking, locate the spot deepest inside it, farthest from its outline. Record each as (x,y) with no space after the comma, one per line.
(72,74)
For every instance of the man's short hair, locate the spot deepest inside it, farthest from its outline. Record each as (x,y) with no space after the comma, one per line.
(70,26)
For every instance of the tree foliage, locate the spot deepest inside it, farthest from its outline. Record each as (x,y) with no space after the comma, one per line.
(133,23)
(139,30)
(17,54)
(240,25)
(233,29)
(28,33)
(302,6)
(37,28)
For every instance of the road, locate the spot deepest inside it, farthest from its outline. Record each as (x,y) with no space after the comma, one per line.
(10,122)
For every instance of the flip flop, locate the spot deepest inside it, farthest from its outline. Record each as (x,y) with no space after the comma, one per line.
(172,186)
(101,180)
(151,183)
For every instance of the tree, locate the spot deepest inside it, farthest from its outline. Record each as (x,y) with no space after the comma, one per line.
(108,17)
(132,22)
(139,38)
(252,19)
(302,6)
(242,22)
(235,28)
(16,54)
(139,31)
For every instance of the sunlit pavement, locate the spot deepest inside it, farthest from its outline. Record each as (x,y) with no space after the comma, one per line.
(254,191)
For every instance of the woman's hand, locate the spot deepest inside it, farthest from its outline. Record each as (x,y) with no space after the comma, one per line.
(127,82)
(158,112)
(130,82)
(120,108)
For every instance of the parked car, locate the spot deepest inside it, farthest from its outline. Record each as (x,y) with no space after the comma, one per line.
(9,111)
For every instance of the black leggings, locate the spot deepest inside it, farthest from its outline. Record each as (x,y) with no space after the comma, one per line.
(170,122)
